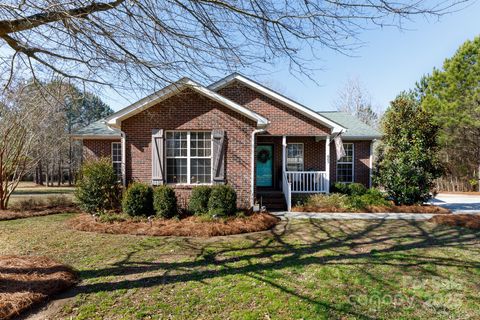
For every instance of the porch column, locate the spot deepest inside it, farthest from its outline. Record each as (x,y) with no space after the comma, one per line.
(327,164)
(284,154)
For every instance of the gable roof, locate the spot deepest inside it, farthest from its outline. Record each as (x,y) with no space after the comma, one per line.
(356,129)
(175,88)
(97,130)
(336,127)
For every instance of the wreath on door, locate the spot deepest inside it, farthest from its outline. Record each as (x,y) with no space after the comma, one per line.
(263,156)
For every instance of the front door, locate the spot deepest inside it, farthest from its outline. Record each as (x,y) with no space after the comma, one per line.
(264,164)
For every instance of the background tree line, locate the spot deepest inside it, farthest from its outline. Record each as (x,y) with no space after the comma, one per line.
(35,122)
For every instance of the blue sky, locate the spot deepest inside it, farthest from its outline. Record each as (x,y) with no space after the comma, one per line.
(390,61)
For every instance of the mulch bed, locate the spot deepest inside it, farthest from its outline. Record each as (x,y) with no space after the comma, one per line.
(41,211)
(458,220)
(25,281)
(379,209)
(190,227)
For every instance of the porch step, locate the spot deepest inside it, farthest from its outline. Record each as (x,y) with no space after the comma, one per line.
(272,200)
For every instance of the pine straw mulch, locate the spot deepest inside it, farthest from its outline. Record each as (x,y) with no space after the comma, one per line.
(37,212)
(470,221)
(377,209)
(187,227)
(28,280)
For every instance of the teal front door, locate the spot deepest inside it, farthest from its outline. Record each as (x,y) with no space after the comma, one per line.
(264,164)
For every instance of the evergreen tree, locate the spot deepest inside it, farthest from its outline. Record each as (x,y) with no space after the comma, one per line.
(409,161)
(452,95)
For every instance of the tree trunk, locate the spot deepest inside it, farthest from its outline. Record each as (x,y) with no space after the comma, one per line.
(59,172)
(47,175)
(40,173)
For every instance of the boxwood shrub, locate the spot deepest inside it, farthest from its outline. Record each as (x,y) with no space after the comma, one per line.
(351,189)
(98,188)
(138,200)
(222,201)
(165,202)
(198,202)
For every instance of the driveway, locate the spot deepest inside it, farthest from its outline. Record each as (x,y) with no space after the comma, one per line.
(457,202)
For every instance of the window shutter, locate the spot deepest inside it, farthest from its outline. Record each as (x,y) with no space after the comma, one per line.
(218,153)
(158,159)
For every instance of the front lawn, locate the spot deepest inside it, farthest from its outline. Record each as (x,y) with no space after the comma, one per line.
(304,270)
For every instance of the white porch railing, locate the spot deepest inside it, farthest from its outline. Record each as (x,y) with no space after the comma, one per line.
(287,191)
(307,181)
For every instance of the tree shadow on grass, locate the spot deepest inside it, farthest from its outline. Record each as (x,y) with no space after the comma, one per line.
(323,243)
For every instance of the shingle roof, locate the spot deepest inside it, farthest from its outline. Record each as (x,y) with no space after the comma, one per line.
(355,127)
(97,128)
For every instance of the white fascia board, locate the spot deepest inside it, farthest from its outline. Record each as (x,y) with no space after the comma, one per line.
(147,102)
(279,98)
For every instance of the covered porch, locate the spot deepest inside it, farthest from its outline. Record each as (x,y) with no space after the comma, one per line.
(285,165)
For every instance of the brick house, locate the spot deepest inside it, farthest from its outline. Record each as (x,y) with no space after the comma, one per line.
(235,131)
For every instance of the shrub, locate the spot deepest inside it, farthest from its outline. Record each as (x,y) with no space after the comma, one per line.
(28,204)
(165,202)
(138,200)
(356,189)
(198,202)
(58,201)
(223,200)
(334,201)
(339,187)
(409,161)
(351,189)
(372,197)
(98,188)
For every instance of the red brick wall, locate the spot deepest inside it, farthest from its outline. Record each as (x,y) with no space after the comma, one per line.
(314,157)
(191,111)
(283,120)
(94,149)
(361,162)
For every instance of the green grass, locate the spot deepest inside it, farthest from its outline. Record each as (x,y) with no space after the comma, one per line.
(305,270)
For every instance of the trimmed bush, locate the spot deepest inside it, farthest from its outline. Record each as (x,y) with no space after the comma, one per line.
(356,189)
(372,197)
(222,201)
(165,202)
(138,200)
(351,189)
(98,188)
(198,202)
(339,187)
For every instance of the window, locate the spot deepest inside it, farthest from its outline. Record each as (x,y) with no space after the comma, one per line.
(295,157)
(189,157)
(117,158)
(345,164)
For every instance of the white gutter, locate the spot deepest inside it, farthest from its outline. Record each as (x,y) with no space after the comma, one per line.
(252,178)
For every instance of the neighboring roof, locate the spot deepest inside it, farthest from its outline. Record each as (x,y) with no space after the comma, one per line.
(175,88)
(97,130)
(356,129)
(336,127)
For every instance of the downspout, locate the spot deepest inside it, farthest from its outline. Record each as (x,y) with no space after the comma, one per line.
(252,177)
(370,173)
(124,158)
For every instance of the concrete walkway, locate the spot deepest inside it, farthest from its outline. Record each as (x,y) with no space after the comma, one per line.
(457,203)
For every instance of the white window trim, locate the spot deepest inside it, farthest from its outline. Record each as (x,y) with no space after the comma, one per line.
(344,162)
(303,155)
(118,161)
(189,158)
